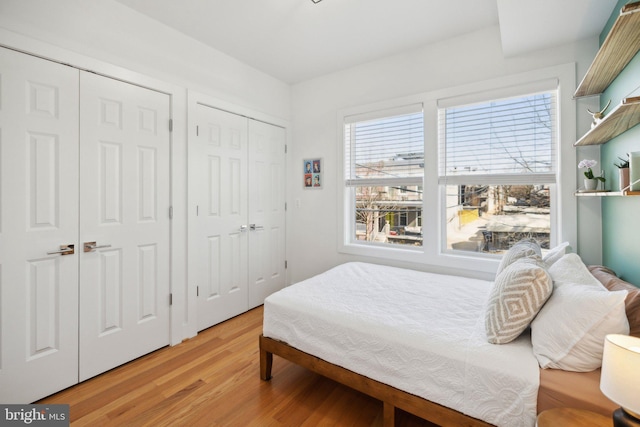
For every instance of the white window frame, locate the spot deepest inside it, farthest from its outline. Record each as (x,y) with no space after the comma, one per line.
(431,255)
(549,178)
(346,227)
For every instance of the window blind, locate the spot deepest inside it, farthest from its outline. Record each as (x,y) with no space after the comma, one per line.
(511,140)
(385,148)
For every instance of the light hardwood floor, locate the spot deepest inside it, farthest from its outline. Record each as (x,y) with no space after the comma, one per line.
(213,380)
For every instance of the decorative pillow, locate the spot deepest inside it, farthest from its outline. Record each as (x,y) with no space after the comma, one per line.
(632,303)
(516,297)
(554,254)
(571,269)
(525,248)
(569,331)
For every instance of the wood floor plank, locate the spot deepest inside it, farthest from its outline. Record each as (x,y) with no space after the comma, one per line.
(213,380)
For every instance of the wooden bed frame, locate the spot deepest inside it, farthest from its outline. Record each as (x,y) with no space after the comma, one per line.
(391,397)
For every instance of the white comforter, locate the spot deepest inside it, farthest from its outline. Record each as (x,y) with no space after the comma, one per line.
(420,332)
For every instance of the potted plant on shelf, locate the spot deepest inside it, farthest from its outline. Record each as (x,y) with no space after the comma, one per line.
(590,180)
(623,172)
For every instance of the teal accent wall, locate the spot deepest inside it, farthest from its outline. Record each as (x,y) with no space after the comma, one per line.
(621,215)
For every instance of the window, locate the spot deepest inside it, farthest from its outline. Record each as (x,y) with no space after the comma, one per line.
(384,170)
(459,174)
(497,168)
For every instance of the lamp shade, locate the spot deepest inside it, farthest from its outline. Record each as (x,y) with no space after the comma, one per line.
(620,377)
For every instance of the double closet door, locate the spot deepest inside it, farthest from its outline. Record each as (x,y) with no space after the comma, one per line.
(237,232)
(84,225)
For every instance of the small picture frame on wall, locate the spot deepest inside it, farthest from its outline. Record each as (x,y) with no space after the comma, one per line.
(312,173)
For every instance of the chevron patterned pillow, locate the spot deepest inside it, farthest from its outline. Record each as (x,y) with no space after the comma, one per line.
(518,293)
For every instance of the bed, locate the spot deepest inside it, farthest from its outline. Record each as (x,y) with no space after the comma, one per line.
(364,325)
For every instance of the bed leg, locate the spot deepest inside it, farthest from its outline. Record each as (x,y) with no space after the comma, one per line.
(388,415)
(266,362)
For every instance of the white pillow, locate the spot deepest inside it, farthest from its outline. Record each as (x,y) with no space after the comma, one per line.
(554,254)
(518,293)
(571,269)
(525,248)
(568,332)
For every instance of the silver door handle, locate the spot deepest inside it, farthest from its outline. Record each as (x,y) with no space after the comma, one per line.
(91,246)
(243,228)
(64,250)
(254,227)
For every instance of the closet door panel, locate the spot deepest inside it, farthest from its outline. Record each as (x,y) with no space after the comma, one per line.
(218,231)
(266,210)
(124,222)
(38,215)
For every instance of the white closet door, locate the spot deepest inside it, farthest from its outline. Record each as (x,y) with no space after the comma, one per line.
(124,214)
(38,214)
(218,233)
(266,210)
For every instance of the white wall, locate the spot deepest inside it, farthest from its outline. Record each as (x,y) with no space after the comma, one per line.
(111,39)
(315,103)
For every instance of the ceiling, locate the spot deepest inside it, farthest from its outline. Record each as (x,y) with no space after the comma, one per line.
(297,40)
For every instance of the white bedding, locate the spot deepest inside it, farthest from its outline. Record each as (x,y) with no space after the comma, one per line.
(419,332)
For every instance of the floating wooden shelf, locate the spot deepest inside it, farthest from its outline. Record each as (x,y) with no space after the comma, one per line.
(607,193)
(620,46)
(622,118)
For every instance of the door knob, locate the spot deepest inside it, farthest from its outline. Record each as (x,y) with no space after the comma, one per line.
(91,246)
(64,250)
(254,227)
